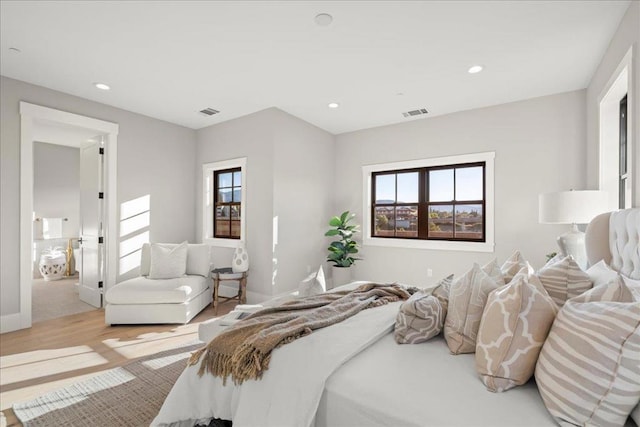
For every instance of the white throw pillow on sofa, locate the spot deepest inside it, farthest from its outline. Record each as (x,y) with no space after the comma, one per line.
(168,261)
(198,259)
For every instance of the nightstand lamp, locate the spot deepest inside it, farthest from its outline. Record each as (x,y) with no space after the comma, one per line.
(572,207)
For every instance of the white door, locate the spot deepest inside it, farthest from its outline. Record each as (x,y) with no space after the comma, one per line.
(91,214)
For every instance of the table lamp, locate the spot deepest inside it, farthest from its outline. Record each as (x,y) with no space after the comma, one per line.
(572,207)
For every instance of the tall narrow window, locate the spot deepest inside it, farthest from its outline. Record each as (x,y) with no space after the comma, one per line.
(623,172)
(228,203)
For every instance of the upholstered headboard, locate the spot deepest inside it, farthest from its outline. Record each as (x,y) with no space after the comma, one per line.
(615,238)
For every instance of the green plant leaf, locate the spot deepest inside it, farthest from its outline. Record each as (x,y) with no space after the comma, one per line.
(335,222)
(332,233)
(343,217)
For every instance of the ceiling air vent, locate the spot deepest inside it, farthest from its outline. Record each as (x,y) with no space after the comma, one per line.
(414,113)
(209,112)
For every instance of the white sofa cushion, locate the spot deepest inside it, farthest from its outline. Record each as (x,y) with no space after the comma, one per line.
(141,290)
(198,258)
(168,262)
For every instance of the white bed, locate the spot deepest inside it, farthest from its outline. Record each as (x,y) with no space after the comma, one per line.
(377,382)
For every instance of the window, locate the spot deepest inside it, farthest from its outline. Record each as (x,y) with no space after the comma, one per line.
(444,203)
(224,202)
(228,194)
(622,169)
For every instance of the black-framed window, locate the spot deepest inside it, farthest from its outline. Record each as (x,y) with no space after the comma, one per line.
(444,202)
(228,203)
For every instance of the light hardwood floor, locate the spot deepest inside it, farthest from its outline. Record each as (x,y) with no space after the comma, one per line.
(55,353)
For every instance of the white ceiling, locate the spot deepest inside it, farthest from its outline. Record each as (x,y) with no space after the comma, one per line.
(378,59)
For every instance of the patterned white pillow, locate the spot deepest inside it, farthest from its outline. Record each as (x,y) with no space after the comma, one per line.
(421,317)
(168,261)
(513,265)
(588,372)
(564,280)
(467,299)
(515,324)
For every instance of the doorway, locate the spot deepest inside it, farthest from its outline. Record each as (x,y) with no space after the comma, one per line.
(101,242)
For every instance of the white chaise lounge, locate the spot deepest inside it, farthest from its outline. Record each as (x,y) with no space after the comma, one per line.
(168,300)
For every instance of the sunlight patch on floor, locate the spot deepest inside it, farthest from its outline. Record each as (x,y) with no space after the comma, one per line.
(154,342)
(41,363)
(8,398)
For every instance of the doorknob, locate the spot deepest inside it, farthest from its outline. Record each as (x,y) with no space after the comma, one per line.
(80,240)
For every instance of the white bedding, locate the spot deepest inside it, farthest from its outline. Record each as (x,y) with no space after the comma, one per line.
(290,390)
(422,385)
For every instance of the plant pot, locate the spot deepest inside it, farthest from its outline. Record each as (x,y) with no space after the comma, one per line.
(340,275)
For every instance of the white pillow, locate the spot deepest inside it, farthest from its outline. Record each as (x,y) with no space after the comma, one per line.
(198,259)
(314,284)
(600,273)
(168,261)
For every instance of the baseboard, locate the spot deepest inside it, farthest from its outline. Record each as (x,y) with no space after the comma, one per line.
(10,323)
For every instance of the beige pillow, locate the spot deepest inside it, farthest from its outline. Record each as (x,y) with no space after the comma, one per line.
(588,369)
(513,265)
(494,272)
(515,323)
(564,280)
(442,292)
(467,298)
(420,318)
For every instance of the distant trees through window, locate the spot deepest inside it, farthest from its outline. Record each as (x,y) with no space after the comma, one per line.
(444,202)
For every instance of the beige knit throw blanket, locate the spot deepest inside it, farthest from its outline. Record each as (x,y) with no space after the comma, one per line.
(243,352)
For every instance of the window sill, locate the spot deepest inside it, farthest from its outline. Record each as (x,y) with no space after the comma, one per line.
(223,243)
(441,245)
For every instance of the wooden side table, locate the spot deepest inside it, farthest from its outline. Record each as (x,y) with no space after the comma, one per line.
(226,274)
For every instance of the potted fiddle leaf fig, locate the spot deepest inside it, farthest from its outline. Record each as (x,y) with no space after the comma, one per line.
(342,251)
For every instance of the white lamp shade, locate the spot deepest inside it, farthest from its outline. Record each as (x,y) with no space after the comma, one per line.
(571,207)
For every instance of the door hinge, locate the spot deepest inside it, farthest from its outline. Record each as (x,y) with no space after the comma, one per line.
(101,151)
(100,285)
(100,239)
(100,195)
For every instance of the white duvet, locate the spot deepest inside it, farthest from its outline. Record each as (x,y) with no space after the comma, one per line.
(290,390)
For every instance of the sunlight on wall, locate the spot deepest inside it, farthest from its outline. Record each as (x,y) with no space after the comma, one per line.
(135,219)
(36,364)
(274,272)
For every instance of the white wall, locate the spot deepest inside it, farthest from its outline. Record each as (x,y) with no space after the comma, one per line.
(56,185)
(283,154)
(155,158)
(539,146)
(626,37)
(303,192)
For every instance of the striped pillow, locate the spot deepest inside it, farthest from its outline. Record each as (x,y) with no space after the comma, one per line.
(467,299)
(564,280)
(515,324)
(588,371)
(422,316)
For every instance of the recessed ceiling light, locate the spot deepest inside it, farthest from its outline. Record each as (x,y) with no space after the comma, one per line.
(323,19)
(475,69)
(102,86)
(333,105)
(15,50)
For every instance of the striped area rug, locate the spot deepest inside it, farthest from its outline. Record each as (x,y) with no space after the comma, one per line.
(126,396)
